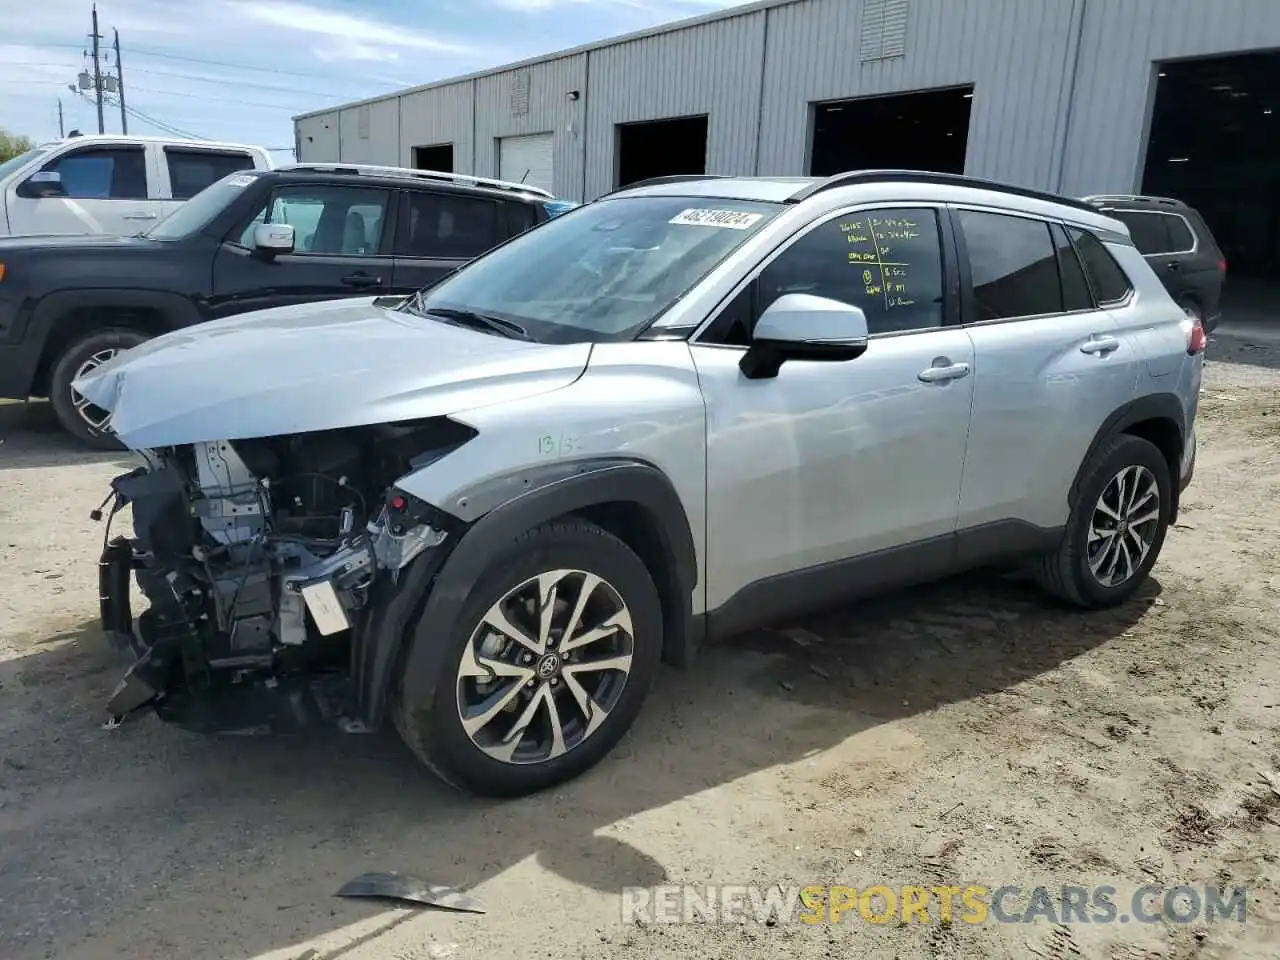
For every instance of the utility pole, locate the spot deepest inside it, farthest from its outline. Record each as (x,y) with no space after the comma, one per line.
(97,70)
(124,119)
(61,129)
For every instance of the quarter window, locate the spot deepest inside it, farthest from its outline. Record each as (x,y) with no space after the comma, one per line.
(190,171)
(446,227)
(103,173)
(333,220)
(886,262)
(1108,280)
(1014,266)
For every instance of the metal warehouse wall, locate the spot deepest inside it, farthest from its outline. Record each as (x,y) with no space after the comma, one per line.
(1116,80)
(1062,88)
(503,110)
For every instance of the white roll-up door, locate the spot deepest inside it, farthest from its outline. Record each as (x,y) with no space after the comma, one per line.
(527,160)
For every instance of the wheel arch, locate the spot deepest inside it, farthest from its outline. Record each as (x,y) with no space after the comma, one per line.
(61,318)
(1158,418)
(631,499)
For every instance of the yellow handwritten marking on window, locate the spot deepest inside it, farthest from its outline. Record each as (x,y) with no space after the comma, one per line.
(882,274)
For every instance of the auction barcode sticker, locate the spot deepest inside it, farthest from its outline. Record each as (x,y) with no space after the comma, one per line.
(729,219)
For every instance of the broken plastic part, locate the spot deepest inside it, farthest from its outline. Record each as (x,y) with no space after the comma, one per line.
(397,886)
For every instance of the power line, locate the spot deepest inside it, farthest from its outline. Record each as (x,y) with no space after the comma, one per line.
(227,82)
(201,96)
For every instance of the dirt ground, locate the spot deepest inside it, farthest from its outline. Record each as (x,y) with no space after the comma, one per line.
(963,733)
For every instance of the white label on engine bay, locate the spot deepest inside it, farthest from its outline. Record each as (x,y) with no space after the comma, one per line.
(326,609)
(728,219)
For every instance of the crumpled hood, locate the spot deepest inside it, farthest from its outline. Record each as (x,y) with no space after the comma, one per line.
(315,366)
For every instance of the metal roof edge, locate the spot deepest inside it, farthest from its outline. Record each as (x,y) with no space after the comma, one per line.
(746,9)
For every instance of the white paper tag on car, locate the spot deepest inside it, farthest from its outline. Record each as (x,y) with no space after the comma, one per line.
(326,609)
(726,219)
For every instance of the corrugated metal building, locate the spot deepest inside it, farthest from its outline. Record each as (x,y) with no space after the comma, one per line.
(1060,94)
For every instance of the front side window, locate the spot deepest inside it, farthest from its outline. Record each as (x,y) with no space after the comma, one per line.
(603,271)
(886,262)
(1108,280)
(444,226)
(1013,264)
(327,219)
(191,171)
(103,173)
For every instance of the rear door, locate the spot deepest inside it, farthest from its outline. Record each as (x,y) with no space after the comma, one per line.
(1051,364)
(439,231)
(105,190)
(342,248)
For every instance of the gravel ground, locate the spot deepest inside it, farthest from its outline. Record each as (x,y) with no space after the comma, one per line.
(963,733)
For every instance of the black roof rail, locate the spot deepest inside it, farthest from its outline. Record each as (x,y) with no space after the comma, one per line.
(670,178)
(461,179)
(855,177)
(1098,199)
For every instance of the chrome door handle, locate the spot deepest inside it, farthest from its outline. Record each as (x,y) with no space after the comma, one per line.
(1100,345)
(952,371)
(139,216)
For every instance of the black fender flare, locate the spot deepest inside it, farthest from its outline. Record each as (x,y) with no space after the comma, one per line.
(1155,406)
(590,484)
(178,311)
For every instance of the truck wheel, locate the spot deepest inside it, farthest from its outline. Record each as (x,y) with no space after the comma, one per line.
(546,667)
(89,424)
(1116,528)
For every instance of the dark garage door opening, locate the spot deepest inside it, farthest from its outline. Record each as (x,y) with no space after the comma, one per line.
(438,158)
(928,130)
(661,148)
(1215,144)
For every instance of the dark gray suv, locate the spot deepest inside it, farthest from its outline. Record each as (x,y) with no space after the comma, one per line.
(1176,241)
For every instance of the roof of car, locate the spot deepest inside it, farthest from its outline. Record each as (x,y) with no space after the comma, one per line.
(877,186)
(399,176)
(91,138)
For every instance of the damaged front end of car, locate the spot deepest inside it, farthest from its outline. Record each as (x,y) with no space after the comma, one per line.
(280,573)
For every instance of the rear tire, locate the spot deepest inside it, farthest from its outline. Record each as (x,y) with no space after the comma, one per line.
(562,712)
(85,422)
(1116,528)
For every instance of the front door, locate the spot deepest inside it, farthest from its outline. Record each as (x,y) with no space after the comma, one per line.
(832,461)
(342,248)
(104,191)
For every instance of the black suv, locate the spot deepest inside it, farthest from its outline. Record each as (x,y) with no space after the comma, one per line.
(1177,243)
(253,240)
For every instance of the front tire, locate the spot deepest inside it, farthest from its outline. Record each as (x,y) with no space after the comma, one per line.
(87,423)
(1116,529)
(546,667)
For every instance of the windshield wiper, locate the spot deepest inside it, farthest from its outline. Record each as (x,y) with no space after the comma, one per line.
(477,321)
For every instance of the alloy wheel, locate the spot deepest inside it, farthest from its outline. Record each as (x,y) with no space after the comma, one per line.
(545,666)
(1125,522)
(97,419)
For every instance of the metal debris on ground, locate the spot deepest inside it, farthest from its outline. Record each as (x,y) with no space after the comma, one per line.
(398,886)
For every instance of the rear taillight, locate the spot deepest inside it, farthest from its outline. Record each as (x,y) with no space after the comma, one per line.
(1222,266)
(1198,339)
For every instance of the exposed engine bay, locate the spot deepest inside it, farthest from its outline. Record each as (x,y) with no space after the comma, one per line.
(258,558)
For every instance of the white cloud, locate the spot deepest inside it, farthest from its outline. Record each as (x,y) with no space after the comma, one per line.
(342,27)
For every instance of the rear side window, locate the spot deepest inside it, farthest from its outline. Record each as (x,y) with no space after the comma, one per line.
(103,173)
(1180,235)
(1075,288)
(446,227)
(1109,283)
(1014,266)
(1149,231)
(520,217)
(190,171)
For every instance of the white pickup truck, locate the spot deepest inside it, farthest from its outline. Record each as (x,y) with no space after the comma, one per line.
(111,184)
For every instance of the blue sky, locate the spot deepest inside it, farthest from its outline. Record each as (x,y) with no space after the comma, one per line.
(240,69)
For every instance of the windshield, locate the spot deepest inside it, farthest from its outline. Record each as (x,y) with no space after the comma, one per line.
(195,214)
(21,160)
(603,271)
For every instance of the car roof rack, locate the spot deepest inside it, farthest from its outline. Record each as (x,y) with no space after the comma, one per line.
(370,170)
(1131,198)
(670,178)
(856,177)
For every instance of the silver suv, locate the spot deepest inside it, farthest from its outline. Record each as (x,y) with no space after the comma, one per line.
(488,512)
